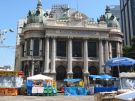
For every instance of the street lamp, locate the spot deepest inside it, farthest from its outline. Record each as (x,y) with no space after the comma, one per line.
(2,34)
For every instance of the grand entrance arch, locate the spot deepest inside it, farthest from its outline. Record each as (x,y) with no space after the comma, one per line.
(93,70)
(61,73)
(77,72)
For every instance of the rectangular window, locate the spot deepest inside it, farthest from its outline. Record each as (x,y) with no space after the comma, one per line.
(92,49)
(77,48)
(61,48)
(22,53)
(114,51)
(133,15)
(36,47)
(28,47)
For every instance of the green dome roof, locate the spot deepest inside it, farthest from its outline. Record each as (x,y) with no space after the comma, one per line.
(36,16)
(109,18)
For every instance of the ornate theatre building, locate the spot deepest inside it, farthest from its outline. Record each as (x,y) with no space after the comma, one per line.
(64,43)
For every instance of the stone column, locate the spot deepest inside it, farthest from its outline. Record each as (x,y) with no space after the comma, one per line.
(18,65)
(53,56)
(40,47)
(118,49)
(110,50)
(86,56)
(31,54)
(25,48)
(70,57)
(101,58)
(31,47)
(86,73)
(46,65)
(121,49)
(106,51)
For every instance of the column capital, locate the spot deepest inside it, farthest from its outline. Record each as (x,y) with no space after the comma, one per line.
(86,73)
(70,37)
(71,73)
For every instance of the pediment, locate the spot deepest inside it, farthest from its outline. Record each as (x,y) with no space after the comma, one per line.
(78,16)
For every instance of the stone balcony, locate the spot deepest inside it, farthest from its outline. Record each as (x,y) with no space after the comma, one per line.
(33,26)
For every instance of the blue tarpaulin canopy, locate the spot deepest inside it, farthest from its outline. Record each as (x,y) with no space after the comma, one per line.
(120,61)
(103,76)
(72,80)
(95,76)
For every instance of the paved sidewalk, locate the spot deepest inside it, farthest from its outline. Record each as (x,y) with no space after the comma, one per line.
(46,98)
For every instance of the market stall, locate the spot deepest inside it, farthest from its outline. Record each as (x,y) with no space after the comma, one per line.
(41,85)
(10,82)
(74,87)
(128,96)
(104,84)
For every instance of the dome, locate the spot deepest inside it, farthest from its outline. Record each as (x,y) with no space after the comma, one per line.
(113,22)
(109,18)
(38,15)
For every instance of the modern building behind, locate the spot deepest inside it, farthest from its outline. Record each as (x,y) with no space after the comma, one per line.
(115,10)
(70,45)
(127,20)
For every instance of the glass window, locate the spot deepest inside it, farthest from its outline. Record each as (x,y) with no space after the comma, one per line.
(28,47)
(77,48)
(36,47)
(43,47)
(92,49)
(61,48)
(114,54)
(133,14)
(22,53)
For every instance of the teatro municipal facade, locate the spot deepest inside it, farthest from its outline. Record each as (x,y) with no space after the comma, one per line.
(65,43)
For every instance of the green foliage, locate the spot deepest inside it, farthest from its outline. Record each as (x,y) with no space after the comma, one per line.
(129,51)
(133,43)
(126,50)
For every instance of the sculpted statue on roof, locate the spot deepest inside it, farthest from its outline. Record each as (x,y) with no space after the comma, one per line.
(38,15)
(109,18)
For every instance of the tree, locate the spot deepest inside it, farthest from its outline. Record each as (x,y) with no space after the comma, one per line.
(129,51)
(133,43)
(126,50)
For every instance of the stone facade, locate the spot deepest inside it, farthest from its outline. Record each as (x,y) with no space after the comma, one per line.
(39,46)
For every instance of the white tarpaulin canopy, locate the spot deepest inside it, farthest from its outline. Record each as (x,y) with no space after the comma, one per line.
(39,77)
(126,96)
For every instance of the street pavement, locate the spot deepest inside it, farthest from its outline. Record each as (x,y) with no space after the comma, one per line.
(46,98)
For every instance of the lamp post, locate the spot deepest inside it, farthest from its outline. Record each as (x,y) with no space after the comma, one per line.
(2,34)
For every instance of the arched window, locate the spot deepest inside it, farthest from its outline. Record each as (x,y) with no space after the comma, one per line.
(77,72)
(93,70)
(61,73)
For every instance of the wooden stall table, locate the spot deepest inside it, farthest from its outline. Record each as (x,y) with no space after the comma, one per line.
(105,96)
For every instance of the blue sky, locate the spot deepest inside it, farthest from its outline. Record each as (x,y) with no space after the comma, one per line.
(12,10)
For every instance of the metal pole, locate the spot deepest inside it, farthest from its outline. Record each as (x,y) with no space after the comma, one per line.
(2,34)
(119,76)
